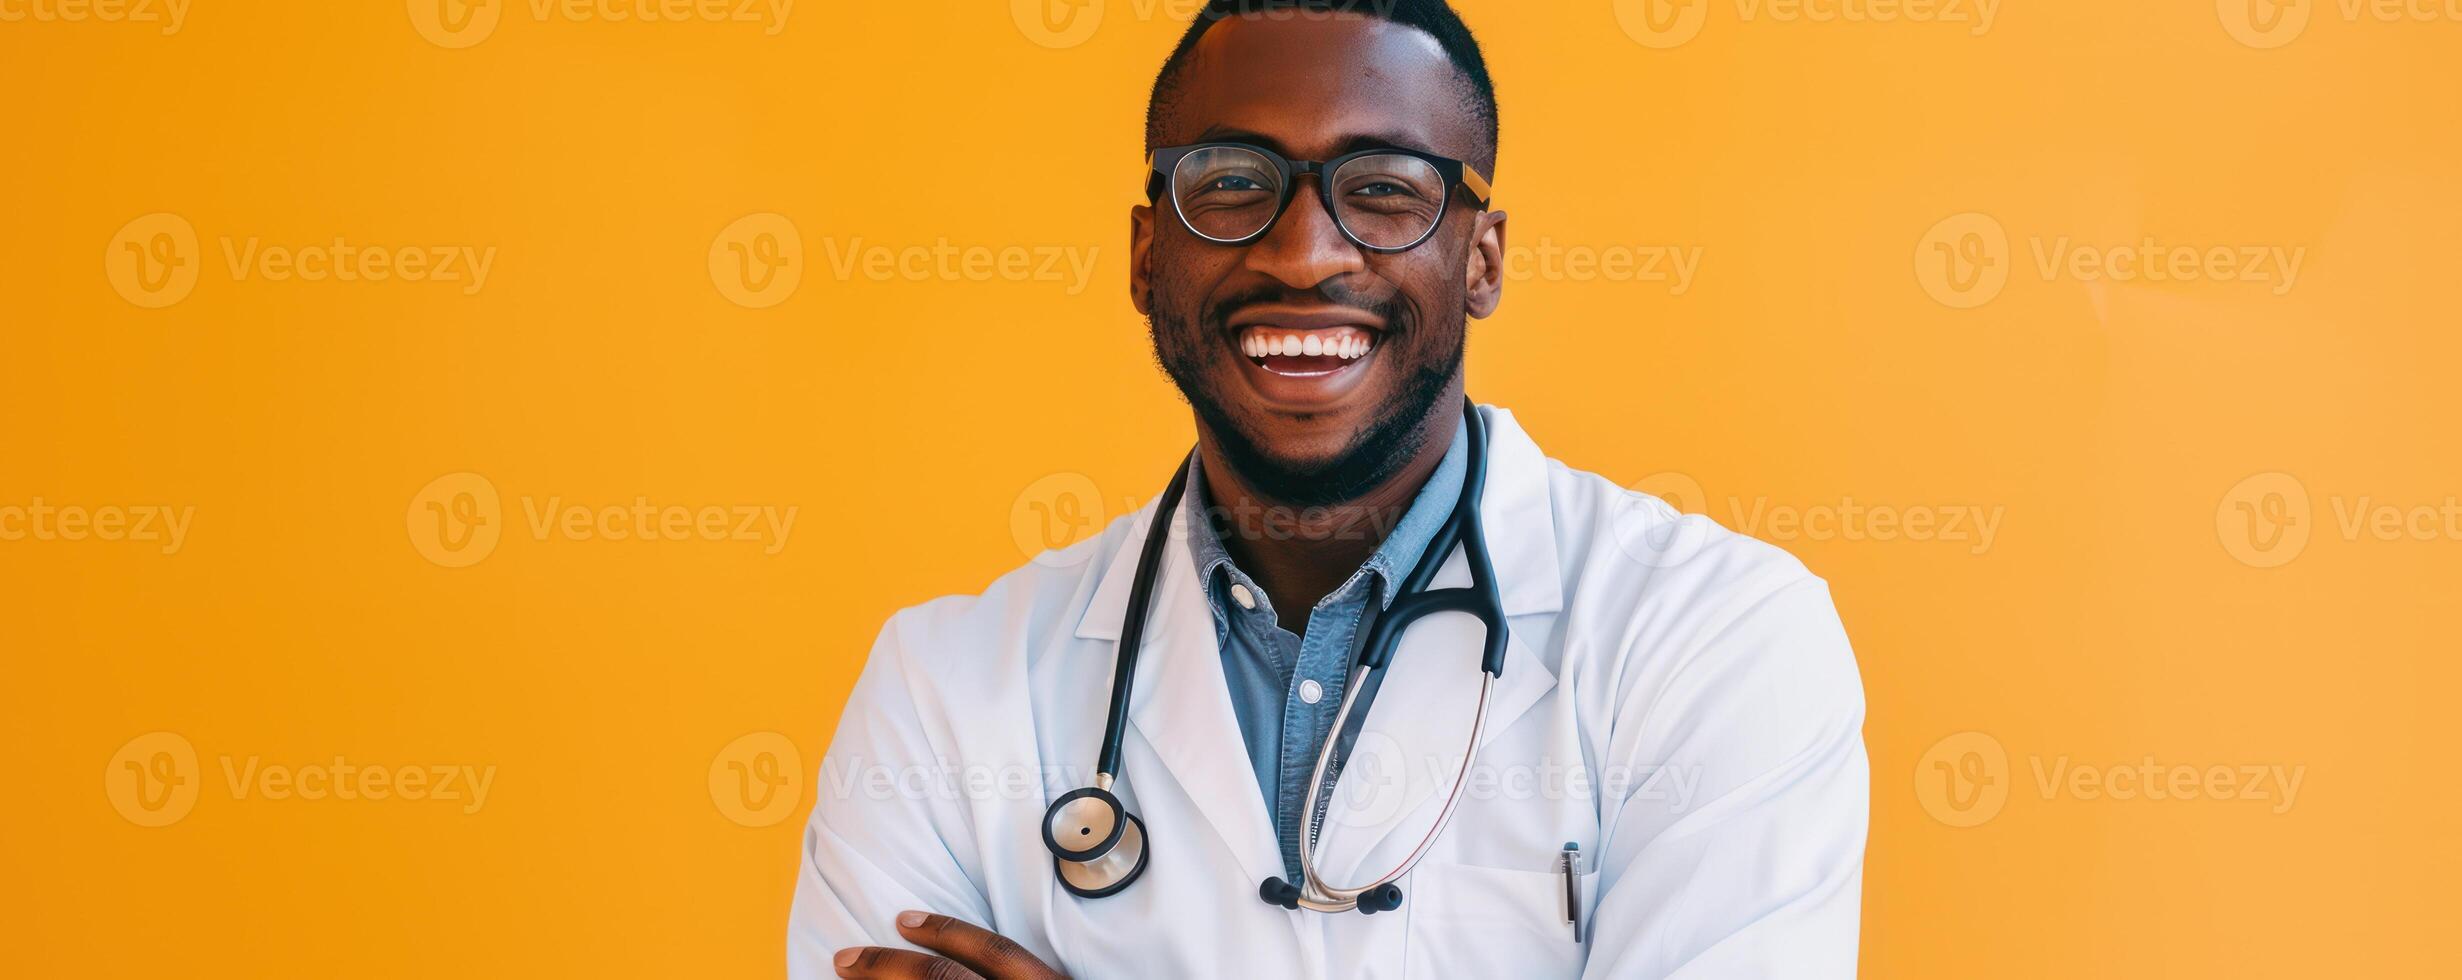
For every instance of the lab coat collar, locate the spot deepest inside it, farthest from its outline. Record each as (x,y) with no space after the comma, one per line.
(1520,525)
(1180,703)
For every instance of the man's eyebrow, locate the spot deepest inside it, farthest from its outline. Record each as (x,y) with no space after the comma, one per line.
(1350,144)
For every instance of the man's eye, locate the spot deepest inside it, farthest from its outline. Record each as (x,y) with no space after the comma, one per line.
(1234,183)
(1380,189)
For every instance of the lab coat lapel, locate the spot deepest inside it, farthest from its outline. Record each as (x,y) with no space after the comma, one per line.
(1180,705)
(1413,742)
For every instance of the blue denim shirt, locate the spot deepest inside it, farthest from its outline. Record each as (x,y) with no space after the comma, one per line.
(1285,688)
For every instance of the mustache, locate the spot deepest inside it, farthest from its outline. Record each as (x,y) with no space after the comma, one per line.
(1387,304)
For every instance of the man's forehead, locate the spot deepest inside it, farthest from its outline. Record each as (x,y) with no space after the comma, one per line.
(1317,84)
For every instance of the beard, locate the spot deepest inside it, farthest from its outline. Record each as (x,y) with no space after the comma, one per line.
(1392,438)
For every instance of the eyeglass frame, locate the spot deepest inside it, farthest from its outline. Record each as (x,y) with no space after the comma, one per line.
(1163,161)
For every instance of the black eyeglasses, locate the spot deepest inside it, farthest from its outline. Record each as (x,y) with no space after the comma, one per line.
(1386,200)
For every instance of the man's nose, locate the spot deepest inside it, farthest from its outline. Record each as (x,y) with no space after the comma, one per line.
(1305,247)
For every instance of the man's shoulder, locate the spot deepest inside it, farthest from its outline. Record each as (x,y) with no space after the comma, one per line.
(1635,537)
(1659,590)
(1048,593)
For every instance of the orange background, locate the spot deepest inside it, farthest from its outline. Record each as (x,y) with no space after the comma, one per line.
(2125,609)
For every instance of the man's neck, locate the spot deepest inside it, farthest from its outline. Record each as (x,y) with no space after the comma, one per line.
(1301,554)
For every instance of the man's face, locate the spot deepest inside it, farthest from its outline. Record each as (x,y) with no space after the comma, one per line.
(1389,328)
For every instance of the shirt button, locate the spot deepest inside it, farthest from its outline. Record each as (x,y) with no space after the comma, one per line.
(1311,692)
(1241,595)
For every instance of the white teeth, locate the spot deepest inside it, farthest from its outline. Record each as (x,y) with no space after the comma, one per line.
(1346,344)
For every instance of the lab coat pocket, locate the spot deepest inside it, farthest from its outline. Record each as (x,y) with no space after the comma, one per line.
(1467,920)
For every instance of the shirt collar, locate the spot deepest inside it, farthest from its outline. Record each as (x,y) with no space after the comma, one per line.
(1394,556)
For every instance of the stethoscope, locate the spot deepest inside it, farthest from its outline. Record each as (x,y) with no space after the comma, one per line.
(1099,848)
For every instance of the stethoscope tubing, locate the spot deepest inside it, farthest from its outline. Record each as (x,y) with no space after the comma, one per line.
(1321,896)
(1380,633)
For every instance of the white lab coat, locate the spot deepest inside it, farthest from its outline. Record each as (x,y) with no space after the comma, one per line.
(1678,700)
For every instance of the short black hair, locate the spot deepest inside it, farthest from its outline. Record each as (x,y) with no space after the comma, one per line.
(1433,17)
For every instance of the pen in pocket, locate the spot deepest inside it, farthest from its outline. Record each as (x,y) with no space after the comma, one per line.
(1571,861)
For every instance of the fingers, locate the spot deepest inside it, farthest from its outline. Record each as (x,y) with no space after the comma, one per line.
(883,963)
(988,953)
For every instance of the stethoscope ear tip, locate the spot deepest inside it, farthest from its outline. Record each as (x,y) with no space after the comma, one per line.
(1276,891)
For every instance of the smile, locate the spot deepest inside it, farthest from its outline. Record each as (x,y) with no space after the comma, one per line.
(1306,353)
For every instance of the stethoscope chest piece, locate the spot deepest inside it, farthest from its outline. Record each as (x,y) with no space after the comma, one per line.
(1097,846)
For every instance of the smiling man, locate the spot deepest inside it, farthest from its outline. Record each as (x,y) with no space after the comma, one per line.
(1374,688)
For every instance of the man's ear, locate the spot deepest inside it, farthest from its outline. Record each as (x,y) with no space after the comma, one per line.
(1484,270)
(1141,258)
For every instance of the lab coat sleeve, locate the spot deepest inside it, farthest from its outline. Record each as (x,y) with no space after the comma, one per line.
(875,846)
(1756,869)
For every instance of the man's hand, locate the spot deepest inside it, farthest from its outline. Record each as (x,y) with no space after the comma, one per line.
(968,952)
